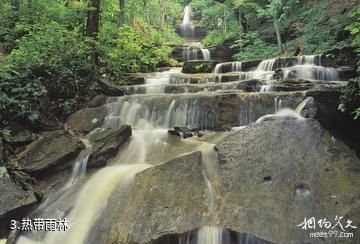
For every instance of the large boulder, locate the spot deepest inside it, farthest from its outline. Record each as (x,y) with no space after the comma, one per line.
(169,198)
(15,202)
(105,144)
(274,174)
(87,119)
(51,152)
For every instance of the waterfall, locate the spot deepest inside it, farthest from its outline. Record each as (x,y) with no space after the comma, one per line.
(154,113)
(210,235)
(236,66)
(156,84)
(310,67)
(277,103)
(88,206)
(191,52)
(266,65)
(187,27)
(206,54)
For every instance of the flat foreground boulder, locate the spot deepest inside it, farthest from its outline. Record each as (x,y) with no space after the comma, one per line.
(274,174)
(169,198)
(87,119)
(14,201)
(53,150)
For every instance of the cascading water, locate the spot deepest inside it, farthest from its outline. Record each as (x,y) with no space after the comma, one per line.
(187,27)
(236,66)
(191,52)
(156,84)
(149,113)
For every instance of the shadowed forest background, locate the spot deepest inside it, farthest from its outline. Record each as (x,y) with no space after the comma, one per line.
(55,55)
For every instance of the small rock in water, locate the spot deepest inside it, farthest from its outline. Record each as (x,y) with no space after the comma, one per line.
(185,132)
(302,190)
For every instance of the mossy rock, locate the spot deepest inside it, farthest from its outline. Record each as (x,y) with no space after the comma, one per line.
(194,67)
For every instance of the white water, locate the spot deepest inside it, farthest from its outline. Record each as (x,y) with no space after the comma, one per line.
(156,84)
(285,112)
(90,202)
(210,235)
(148,113)
(187,27)
(306,67)
(236,66)
(191,52)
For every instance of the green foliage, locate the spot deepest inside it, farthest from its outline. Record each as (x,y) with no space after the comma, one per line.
(49,62)
(132,51)
(52,67)
(251,46)
(350,98)
(322,30)
(354,29)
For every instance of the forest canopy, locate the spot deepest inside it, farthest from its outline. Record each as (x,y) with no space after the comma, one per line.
(54,52)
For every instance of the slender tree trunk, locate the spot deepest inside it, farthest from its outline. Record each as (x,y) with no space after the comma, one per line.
(15,4)
(146,15)
(132,14)
(92,25)
(278,36)
(225,23)
(93,19)
(122,12)
(243,21)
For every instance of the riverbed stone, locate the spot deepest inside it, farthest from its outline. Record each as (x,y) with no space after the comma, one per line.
(274,174)
(52,151)
(169,198)
(15,202)
(105,144)
(87,119)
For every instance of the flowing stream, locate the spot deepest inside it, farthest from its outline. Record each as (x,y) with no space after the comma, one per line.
(151,115)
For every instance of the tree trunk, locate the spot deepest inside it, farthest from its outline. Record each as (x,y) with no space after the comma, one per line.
(92,26)
(15,4)
(93,19)
(278,36)
(243,21)
(122,12)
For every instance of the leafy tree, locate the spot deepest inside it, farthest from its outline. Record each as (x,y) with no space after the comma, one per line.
(350,97)
(277,11)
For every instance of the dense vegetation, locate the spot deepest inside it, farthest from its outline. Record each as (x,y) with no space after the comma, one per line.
(266,28)
(58,49)
(350,98)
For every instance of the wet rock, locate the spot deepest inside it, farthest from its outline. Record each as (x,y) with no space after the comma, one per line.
(51,152)
(193,67)
(214,111)
(163,69)
(341,125)
(184,132)
(97,101)
(15,202)
(135,78)
(165,199)
(20,135)
(3,157)
(105,144)
(222,53)
(306,167)
(309,110)
(108,88)
(87,119)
